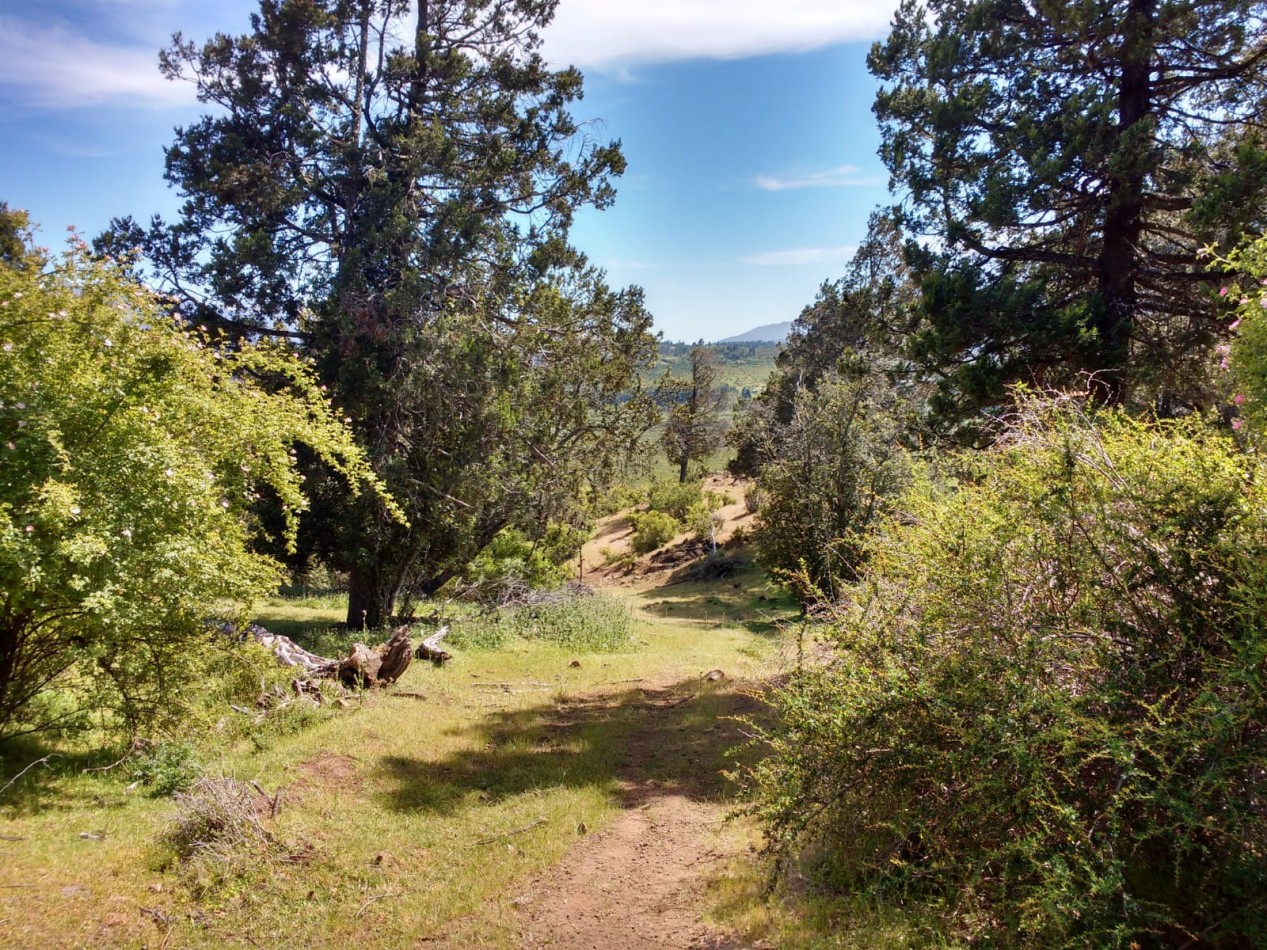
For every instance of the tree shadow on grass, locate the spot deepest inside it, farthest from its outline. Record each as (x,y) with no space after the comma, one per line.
(36,776)
(639,743)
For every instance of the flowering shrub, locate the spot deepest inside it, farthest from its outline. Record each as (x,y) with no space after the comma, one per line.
(1046,707)
(131,451)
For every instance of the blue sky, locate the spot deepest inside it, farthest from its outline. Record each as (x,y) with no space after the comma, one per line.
(748,131)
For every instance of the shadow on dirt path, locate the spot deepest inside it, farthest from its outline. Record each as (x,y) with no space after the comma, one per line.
(661,752)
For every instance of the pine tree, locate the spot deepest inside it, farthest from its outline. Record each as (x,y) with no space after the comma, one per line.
(1069,162)
(390,185)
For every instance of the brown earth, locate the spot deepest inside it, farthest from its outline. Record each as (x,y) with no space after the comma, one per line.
(641,881)
(615,533)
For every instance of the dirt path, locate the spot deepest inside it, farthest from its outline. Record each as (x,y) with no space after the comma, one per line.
(640,882)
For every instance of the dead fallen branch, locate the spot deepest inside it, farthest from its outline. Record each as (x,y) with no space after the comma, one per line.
(429,649)
(362,667)
(43,761)
(375,898)
(510,834)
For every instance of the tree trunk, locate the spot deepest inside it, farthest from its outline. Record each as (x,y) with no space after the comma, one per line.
(1118,297)
(371,599)
(682,471)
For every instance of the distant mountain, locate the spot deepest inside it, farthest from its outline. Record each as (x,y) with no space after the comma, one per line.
(770,333)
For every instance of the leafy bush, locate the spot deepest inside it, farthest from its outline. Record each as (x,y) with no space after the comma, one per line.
(166,768)
(674,498)
(702,520)
(1047,707)
(514,558)
(131,453)
(826,477)
(615,558)
(652,529)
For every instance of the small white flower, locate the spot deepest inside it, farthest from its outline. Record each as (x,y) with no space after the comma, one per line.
(74,509)
(21,405)
(169,473)
(107,342)
(12,446)
(30,528)
(127,533)
(8,347)
(224,503)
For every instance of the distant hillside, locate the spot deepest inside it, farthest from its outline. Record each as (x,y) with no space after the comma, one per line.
(771,332)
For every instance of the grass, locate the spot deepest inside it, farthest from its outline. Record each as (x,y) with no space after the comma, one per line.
(402,817)
(423,816)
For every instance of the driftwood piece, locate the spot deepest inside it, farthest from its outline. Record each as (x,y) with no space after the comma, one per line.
(360,667)
(429,649)
(287,651)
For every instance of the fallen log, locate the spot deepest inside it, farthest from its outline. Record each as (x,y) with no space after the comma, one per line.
(362,667)
(429,649)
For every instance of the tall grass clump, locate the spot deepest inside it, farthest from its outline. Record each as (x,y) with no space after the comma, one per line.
(1045,713)
(576,619)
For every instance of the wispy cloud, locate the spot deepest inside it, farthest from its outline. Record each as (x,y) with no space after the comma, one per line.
(53,67)
(610,35)
(801,256)
(842,176)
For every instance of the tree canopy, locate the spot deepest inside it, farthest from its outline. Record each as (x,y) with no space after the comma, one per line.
(694,428)
(392,187)
(1065,164)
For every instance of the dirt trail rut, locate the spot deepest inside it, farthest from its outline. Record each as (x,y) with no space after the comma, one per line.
(640,881)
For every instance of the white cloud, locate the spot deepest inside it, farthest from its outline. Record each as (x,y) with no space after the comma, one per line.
(801,256)
(842,176)
(52,67)
(608,34)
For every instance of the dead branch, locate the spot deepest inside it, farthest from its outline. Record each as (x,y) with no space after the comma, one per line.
(510,834)
(43,761)
(376,897)
(429,649)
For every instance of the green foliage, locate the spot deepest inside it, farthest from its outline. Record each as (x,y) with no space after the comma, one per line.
(409,223)
(166,768)
(513,558)
(132,454)
(827,475)
(1071,161)
(674,498)
(694,428)
(589,622)
(652,529)
(1246,355)
(1046,705)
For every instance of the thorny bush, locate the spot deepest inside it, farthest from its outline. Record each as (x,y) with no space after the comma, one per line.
(1045,711)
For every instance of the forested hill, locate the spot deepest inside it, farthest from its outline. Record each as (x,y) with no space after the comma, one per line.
(740,366)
